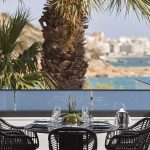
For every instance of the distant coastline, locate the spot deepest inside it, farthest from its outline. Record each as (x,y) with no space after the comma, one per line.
(132,56)
(109,70)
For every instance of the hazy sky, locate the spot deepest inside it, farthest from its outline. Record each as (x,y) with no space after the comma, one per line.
(111,25)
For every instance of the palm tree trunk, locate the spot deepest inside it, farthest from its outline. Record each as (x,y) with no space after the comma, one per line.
(63,53)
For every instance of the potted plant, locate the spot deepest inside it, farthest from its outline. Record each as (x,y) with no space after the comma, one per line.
(72,118)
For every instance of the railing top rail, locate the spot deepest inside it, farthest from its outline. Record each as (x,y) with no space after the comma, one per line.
(96,113)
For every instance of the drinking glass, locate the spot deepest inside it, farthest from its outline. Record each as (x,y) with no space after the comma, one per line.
(51,124)
(85,116)
(91,121)
(55,116)
(54,111)
(59,111)
(83,113)
(87,112)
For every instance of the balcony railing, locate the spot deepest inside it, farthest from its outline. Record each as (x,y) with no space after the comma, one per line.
(102,103)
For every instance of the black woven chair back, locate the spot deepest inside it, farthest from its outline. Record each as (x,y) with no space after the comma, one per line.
(139,141)
(13,140)
(147,138)
(4,125)
(132,139)
(71,138)
(141,124)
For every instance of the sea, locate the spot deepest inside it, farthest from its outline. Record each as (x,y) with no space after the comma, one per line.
(123,82)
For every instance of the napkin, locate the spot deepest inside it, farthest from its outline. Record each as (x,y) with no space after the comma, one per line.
(41,121)
(38,125)
(101,125)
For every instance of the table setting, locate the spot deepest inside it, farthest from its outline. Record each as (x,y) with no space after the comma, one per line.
(70,119)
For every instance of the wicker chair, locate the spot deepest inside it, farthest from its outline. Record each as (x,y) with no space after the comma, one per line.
(72,138)
(6,126)
(15,140)
(135,137)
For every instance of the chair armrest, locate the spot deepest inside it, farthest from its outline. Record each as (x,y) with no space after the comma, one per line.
(16,141)
(12,132)
(111,134)
(7,126)
(141,124)
(129,132)
(18,137)
(119,136)
(122,140)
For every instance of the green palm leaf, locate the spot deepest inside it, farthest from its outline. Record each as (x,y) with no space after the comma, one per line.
(71,10)
(27,61)
(20,72)
(11,29)
(32,81)
(140,7)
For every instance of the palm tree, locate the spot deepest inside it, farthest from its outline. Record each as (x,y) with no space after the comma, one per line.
(63,23)
(63,48)
(20,72)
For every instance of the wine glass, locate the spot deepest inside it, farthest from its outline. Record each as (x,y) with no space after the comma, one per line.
(59,111)
(55,116)
(91,121)
(83,113)
(85,116)
(51,124)
(87,112)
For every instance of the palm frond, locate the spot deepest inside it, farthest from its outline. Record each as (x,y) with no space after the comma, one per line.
(17,23)
(13,81)
(11,29)
(27,61)
(50,81)
(20,72)
(140,7)
(4,36)
(71,10)
(32,81)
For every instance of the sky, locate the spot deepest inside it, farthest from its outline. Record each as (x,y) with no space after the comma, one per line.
(113,26)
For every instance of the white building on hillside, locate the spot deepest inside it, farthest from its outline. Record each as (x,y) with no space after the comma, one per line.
(104,47)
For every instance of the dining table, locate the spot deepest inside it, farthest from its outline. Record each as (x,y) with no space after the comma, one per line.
(45,126)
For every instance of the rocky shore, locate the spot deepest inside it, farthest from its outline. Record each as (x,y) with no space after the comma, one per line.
(110,71)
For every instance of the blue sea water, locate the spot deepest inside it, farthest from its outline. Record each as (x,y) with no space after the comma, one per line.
(124,82)
(131,61)
(120,82)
